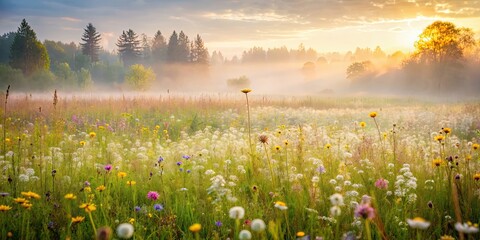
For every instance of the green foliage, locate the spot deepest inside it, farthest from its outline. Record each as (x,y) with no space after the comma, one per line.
(159,48)
(359,69)
(10,76)
(6,41)
(66,78)
(41,80)
(238,83)
(106,73)
(91,42)
(128,47)
(84,79)
(27,53)
(199,53)
(139,78)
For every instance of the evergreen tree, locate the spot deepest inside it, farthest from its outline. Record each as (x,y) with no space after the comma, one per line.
(146,48)
(199,53)
(129,47)
(91,44)
(26,52)
(6,41)
(159,48)
(172,56)
(183,48)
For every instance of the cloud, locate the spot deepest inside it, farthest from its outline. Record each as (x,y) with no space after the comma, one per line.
(71,19)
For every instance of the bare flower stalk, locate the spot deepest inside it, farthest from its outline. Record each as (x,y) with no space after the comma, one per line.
(5,121)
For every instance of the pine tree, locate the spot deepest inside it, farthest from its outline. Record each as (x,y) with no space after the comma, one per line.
(26,52)
(183,48)
(199,54)
(129,48)
(172,56)
(159,48)
(91,44)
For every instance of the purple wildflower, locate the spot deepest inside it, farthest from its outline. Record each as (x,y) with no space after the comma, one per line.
(158,207)
(321,170)
(364,211)
(160,159)
(179,163)
(108,167)
(381,183)
(137,209)
(218,223)
(186,157)
(152,195)
(86,183)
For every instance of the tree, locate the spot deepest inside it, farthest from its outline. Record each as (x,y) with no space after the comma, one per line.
(359,69)
(159,48)
(146,49)
(91,44)
(172,55)
(139,77)
(26,52)
(6,41)
(128,47)
(183,52)
(199,53)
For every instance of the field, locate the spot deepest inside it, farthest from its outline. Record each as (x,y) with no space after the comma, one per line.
(179,166)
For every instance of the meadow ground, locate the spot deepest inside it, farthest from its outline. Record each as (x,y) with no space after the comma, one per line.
(212,167)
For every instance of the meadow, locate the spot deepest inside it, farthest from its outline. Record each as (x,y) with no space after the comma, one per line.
(211,166)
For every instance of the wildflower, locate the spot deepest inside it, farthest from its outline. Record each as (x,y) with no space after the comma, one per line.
(92,134)
(179,163)
(281,205)
(335,211)
(373,114)
(475,146)
(108,167)
(131,220)
(467,228)
(4,194)
(104,233)
(439,138)
(418,223)
(87,189)
(336,199)
(278,148)
(30,194)
(89,207)
(381,183)
(257,225)
(437,162)
(121,174)
(131,183)
(4,208)
(152,195)
(137,209)
(300,234)
(125,230)
(285,142)
(158,207)
(430,204)
(82,143)
(246,90)
(364,211)
(476,176)
(27,205)
(447,237)
(196,227)
(70,196)
(218,223)
(186,157)
(263,138)
(100,188)
(245,234)
(236,212)
(363,124)
(447,130)
(328,146)
(20,200)
(77,219)
(86,184)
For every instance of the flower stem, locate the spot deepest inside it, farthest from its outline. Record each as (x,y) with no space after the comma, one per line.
(93,223)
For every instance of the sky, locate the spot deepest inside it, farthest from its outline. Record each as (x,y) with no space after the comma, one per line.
(237,25)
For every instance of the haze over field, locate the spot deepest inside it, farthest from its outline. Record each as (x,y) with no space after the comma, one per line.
(319,41)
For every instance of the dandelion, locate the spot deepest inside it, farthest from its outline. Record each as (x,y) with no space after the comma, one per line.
(257,225)
(336,199)
(373,114)
(121,174)
(335,211)
(236,212)
(467,228)
(125,230)
(418,223)
(152,195)
(281,205)
(77,219)
(88,207)
(244,234)
(4,208)
(70,196)
(196,227)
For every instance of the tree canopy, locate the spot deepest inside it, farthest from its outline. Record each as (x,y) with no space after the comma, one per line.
(129,47)
(91,42)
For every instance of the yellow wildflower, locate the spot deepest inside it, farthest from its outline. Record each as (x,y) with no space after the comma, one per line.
(131,221)
(439,138)
(92,134)
(476,176)
(30,194)
(300,234)
(70,196)
(363,124)
(82,143)
(195,228)
(20,200)
(77,219)
(475,146)
(246,90)
(121,174)
(27,205)
(131,183)
(4,208)
(373,114)
(447,130)
(101,188)
(437,162)
(89,207)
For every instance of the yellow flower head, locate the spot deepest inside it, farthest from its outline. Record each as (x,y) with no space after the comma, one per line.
(82,143)
(476,146)
(437,162)
(447,130)
(281,205)
(87,189)
(195,228)
(246,90)
(300,234)
(92,134)
(101,188)
(476,176)
(363,124)
(131,220)
(89,207)
(328,146)
(4,208)
(121,174)
(131,183)
(285,142)
(20,200)
(373,114)
(27,205)
(30,194)
(70,196)
(77,219)
(439,138)
(278,148)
